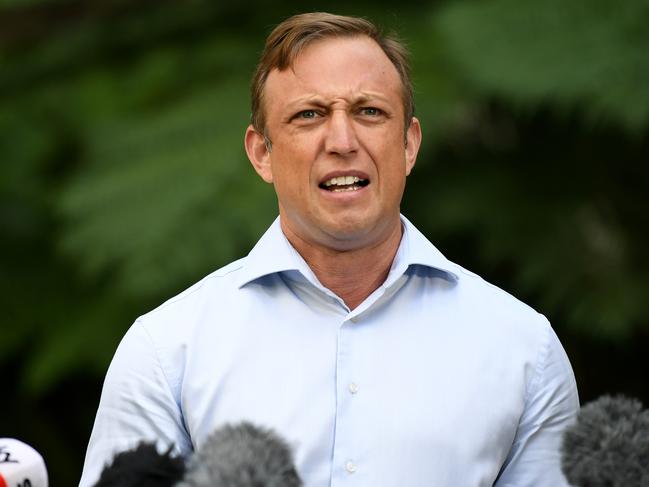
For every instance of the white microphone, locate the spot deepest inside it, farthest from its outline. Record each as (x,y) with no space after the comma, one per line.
(21,465)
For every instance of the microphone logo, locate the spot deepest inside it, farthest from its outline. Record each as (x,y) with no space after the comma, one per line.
(5,455)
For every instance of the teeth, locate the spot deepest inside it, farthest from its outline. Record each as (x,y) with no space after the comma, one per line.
(342,181)
(344,190)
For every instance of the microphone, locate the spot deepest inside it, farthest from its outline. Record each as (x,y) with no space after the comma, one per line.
(142,466)
(608,445)
(21,465)
(242,455)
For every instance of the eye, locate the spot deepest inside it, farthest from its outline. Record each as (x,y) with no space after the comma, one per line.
(371,111)
(307,114)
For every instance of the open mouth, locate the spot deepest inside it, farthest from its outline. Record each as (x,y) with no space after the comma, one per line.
(344,183)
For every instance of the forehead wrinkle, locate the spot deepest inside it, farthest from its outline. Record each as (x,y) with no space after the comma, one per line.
(307,89)
(324,100)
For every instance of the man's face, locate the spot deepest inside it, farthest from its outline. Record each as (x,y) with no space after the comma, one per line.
(339,159)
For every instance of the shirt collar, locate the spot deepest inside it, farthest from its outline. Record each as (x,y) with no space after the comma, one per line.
(416,249)
(273,253)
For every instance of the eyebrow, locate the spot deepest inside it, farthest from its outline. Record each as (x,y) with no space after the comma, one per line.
(319,101)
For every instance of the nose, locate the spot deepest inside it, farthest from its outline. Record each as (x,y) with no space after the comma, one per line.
(341,137)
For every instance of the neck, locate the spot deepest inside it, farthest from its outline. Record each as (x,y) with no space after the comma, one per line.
(351,274)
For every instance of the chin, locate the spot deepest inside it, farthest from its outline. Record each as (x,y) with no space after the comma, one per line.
(351,235)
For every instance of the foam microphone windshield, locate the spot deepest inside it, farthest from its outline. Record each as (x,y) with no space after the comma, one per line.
(608,446)
(21,465)
(243,455)
(143,466)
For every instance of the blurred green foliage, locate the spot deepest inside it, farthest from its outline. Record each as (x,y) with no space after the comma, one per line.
(123,177)
(587,52)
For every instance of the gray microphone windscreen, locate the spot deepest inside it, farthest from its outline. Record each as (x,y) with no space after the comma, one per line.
(608,445)
(243,455)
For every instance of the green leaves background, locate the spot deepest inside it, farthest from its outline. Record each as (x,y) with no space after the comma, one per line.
(123,177)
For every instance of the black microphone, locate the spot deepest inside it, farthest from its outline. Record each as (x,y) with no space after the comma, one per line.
(242,455)
(608,446)
(142,466)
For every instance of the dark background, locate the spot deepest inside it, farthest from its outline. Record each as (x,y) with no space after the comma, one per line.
(123,177)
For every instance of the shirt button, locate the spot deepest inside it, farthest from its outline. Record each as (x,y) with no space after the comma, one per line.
(350,467)
(354,319)
(353,387)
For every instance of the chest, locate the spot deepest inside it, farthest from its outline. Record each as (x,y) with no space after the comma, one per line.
(361,396)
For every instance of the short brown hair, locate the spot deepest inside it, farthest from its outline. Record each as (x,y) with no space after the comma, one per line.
(287,40)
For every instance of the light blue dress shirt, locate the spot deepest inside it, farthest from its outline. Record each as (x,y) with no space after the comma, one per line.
(438,379)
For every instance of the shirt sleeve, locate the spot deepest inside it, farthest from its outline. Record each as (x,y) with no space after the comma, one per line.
(137,403)
(551,405)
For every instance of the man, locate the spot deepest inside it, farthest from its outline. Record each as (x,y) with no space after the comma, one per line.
(344,329)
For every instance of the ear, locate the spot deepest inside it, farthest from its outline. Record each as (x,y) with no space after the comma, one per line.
(413,141)
(258,153)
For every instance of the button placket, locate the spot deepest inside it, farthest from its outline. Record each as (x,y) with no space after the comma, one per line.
(345,443)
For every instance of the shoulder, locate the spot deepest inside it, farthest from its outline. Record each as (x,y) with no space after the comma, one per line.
(475,307)
(176,315)
(463,288)
(484,292)
(222,280)
(161,340)
(508,328)
(476,292)
(496,319)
